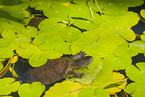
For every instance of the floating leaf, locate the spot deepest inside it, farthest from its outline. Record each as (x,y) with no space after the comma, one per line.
(31,90)
(65,89)
(128,34)
(39,5)
(79,11)
(37,60)
(86,41)
(7,52)
(9,34)
(22,39)
(142,12)
(100,92)
(107,45)
(120,7)
(135,89)
(118,62)
(26,51)
(8,85)
(143,36)
(116,83)
(87,92)
(124,50)
(4,42)
(139,46)
(121,22)
(71,34)
(87,24)
(30,31)
(138,74)
(57,10)
(48,25)
(63,48)
(103,72)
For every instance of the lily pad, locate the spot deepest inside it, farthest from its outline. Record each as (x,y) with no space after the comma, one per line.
(119,7)
(142,12)
(64,89)
(8,85)
(87,92)
(136,74)
(121,22)
(102,72)
(135,89)
(117,62)
(26,51)
(31,90)
(29,31)
(37,60)
(100,92)
(57,10)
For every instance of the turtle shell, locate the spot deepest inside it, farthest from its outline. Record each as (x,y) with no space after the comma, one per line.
(50,72)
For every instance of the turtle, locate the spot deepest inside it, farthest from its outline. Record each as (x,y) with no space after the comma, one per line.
(57,69)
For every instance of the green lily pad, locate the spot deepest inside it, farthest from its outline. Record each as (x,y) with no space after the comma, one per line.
(121,22)
(119,7)
(87,24)
(71,34)
(139,46)
(143,36)
(4,42)
(118,62)
(26,51)
(87,92)
(135,89)
(57,10)
(102,71)
(124,50)
(7,52)
(79,11)
(40,5)
(64,89)
(37,60)
(9,34)
(63,48)
(30,31)
(51,39)
(136,74)
(8,85)
(128,34)
(51,25)
(100,92)
(142,12)
(31,90)
(115,83)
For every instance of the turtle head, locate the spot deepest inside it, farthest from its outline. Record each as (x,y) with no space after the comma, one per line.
(80,60)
